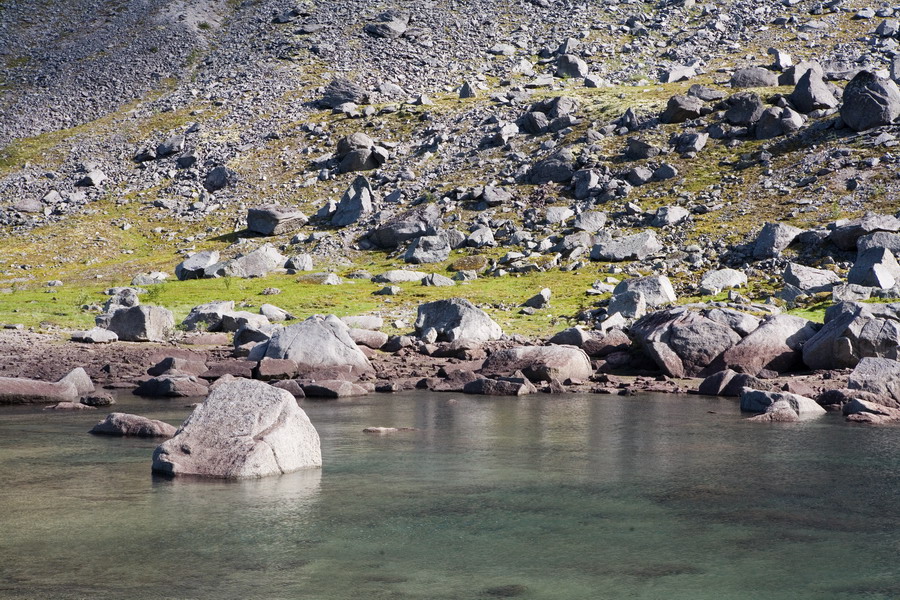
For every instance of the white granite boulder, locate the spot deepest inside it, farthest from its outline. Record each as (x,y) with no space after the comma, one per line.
(244,429)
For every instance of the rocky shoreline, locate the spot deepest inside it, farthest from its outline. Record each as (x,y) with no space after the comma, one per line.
(458,348)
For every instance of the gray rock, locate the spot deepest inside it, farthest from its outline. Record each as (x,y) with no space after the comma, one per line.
(714,282)
(540,363)
(863,411)
(745,109)
(258,263)
(633,247)
(93,178)
(300,262)
(875,267)
(775,345)
(846,236)
(244,429)
(14,390)
(172,386)
(437,280)
(752,77)
(195,265)
(467,90)
(811,93)
(208,317)
(390,24)
(570,66)
(142,324)
(729,383)
(332,388)
(777,121)
(399,276)
(657,290)
(664,172)
(340,91)
(690,143)
(457,320)
(851,336)
(774,238)
(366,337)
(272,219)
(97,335)
(480,238)
(356,202)
(760,401)
(170,146)
(740,322)
(372,322)
(232,321)
(870,101)
(591,221)
(275,314)
(879,376)
(810,280)
(539,300)
(558,168)
(151,278)
(421,220)
(428,249)
(879,239)
(683,343)
(631,305)
(681,108)
(219,178)
(126,425)
(318,342)
(638,149)
(669,215)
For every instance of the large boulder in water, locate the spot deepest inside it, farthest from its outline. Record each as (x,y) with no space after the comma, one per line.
(457,320)
(540,363)
(775,345)
(244,429)
(683,343)
(318,343)
(870,101)
(124,424)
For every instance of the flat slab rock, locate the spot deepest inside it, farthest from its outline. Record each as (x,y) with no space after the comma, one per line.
(124,424)
(244,429)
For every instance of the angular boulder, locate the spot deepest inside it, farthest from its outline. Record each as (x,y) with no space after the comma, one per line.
(879,376)
(258,263)
(318,342)
(421,220)
(775,345)
(456,320)
(870,101)
(244,429)
(875,267)
(851,336)
(142,324)
(633,247)
(683,343)
(356,202)
(272,219)
(657,289)
(773,238)
(208,317)
(540,363)
(195,265)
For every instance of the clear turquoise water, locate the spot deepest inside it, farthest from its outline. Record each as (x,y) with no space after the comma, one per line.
(649,497)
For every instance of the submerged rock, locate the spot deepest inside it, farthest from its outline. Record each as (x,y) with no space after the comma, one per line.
(124,424)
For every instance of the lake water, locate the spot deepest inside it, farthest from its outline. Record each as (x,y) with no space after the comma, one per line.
(581,497)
